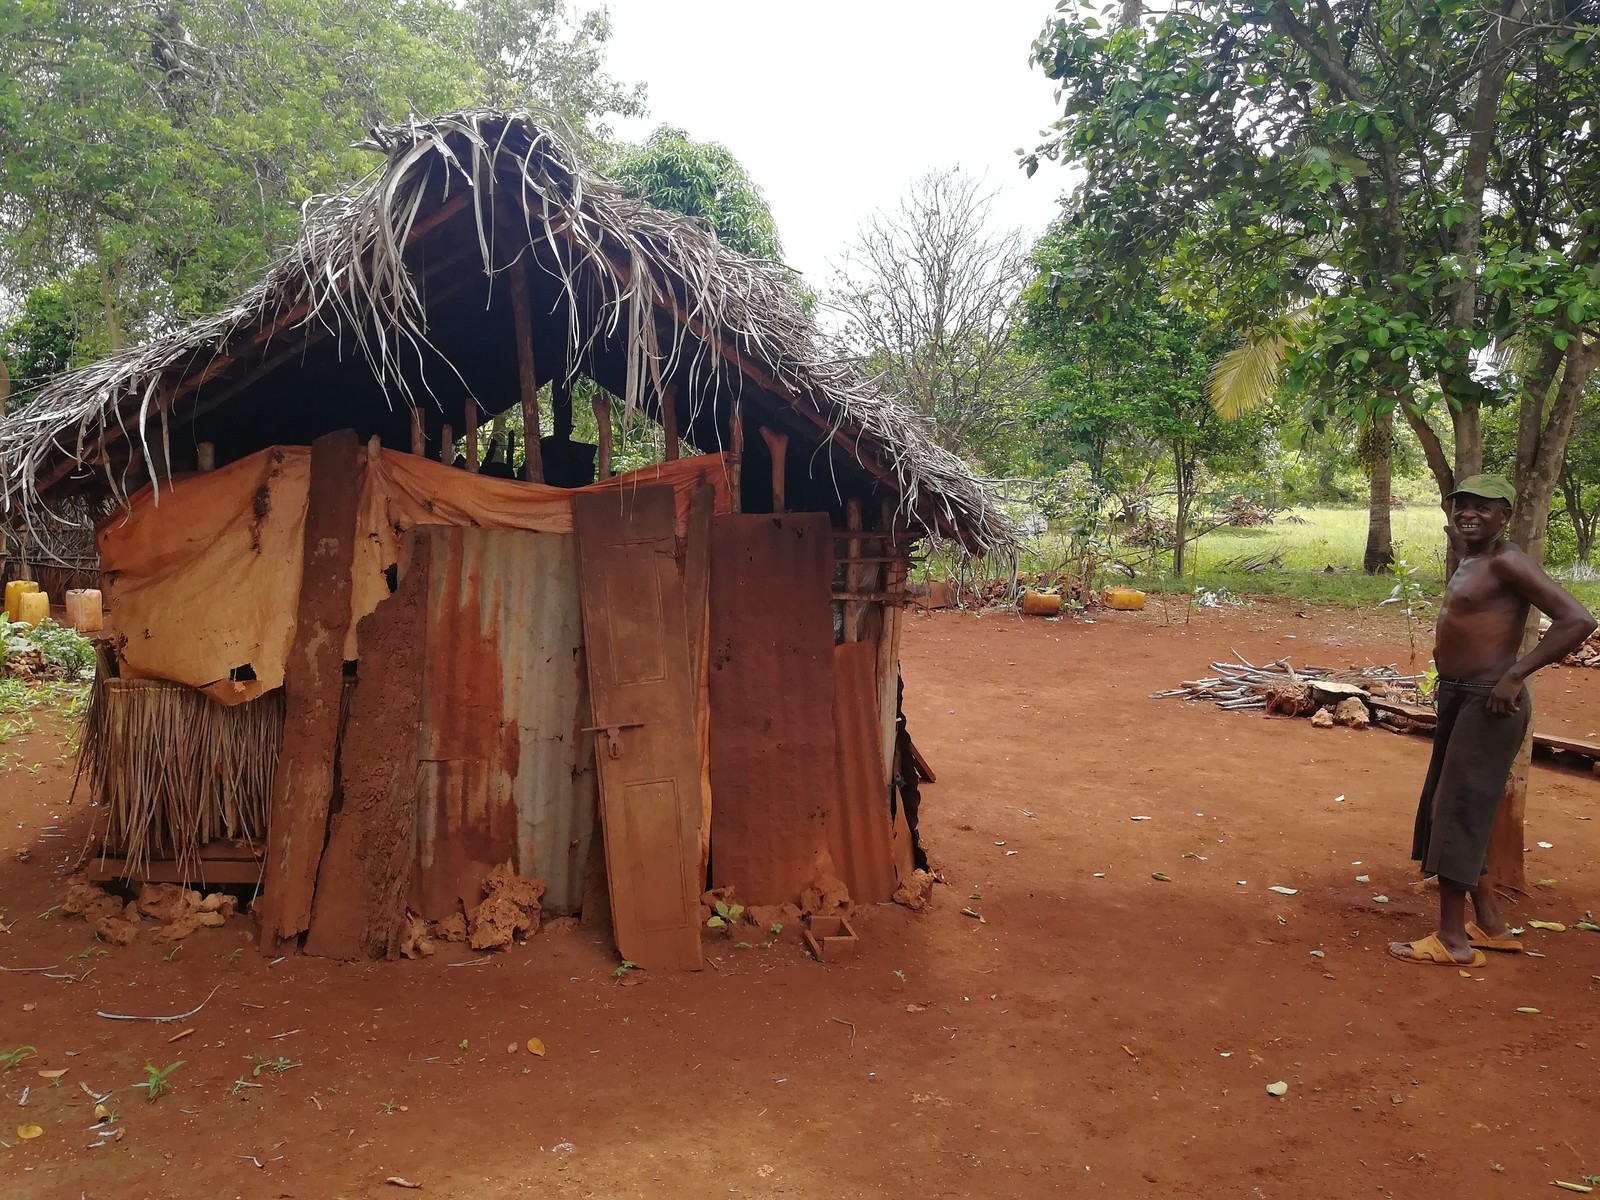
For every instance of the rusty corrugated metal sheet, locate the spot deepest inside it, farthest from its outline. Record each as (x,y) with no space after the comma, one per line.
(506,772)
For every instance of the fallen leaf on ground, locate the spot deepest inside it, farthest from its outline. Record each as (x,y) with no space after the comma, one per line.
(1588,927)
(101,1112)
(1380,899)
(1532,954)
(1283,891)
(1547,845)
(1277,1089)
(1363,878)
(28,1132)
(1527,1010)
(1552,926)
(1571,1187)
(1318,954)
(398,1182)
(1161,876)
(535,1046)
(56,1074)
(1466,974)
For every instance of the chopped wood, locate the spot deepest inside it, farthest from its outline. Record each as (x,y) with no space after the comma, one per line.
(1281,688)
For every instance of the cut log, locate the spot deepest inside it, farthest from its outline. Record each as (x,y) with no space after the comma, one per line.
(1328,691)
(313,685)
(1292,699)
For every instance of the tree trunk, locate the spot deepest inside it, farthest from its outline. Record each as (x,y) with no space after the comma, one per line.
(1181,474)
(1379,439)
(1541,450)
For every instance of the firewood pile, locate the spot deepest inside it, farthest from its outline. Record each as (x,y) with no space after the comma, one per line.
(1355,697)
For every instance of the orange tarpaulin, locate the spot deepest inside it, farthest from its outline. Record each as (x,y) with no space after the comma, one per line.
(203,585)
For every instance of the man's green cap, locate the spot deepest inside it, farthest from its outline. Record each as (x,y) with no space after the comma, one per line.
(1491,487)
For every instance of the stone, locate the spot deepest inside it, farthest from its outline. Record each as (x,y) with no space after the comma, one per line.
(1352,713)
(1323,718)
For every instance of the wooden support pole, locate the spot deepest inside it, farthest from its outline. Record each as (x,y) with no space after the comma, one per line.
(778,443)
(894,584)
(419,434)
(313,684)
(854,574)
(669,421)
(447,446)
(470,404)
(528,381)
(602,420)
(206,456)
(561,407)
(736,457)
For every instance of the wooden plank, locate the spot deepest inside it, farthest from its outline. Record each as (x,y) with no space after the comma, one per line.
(642,689)
(313,682)
(360,906)
(859,834)
(778,444)
(773,772)
(924,771)
(696,585)
(601,404)
(1549,741)
(203,874)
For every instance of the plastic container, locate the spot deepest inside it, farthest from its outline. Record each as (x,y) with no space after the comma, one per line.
(15,589)
(1041,604)
(32,607)
(1122,598)
(85,611)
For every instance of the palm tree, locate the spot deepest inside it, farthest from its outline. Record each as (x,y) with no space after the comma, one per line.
(1246,377)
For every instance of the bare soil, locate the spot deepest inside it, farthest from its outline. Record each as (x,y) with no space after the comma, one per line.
(1096,1032)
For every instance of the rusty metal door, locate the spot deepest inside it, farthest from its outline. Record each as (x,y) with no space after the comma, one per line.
(643,702)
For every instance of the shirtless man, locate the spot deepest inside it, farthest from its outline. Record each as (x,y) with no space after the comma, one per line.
(1483,713)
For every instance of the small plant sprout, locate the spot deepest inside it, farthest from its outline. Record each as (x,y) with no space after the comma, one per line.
(156,1079)
(776,927)
(276,1065)
(622,969)
(387,1107)
(12,1059)
(173,953)
(1409,595)
(725,917)
(236,955)
(900,975)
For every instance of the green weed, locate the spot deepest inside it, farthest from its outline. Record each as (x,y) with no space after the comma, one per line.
(155,1080)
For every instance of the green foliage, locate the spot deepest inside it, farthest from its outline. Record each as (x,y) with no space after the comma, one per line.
(65,649)
(1372,162)
(12,1059)
(703,180)
(725,917)
(156,1080)
(154,156)
(1126,384)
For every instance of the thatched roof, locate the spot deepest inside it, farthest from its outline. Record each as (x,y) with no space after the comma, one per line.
(645,300)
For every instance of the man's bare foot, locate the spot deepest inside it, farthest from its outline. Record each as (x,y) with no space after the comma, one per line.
(1437,948)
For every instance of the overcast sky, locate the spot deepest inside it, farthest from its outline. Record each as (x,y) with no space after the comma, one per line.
(835,107)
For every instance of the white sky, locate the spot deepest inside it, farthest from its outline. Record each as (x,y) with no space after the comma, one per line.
(835,107)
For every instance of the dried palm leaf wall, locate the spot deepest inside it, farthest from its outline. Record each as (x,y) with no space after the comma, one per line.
(175,770)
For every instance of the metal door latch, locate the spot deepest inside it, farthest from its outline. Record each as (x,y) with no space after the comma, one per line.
(613,742)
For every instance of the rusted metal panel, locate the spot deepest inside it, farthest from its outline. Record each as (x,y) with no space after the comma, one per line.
(507,773)
(859,828)
(774,779)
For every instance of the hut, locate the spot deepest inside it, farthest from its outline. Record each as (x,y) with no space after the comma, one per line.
(361,653)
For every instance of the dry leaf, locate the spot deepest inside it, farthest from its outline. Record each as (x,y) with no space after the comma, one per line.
(28,1132)
(535,1046)
(396,1181)
(1161,876)
(55,1074)
(1363,878)
(1277,1089)
(1552,926)
(101,1112)
(1283,891)
(1466,974)
(1528,1010)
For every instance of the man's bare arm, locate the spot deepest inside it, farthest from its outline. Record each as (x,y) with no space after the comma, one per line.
(1570,625)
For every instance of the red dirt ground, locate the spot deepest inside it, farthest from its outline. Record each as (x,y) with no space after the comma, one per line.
(1100,1033)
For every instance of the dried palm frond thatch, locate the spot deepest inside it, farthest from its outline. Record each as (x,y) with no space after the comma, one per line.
(737,325)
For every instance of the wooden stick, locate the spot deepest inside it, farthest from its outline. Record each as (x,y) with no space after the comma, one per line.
(470,404)
(206,455)
(527,380)
(602,420)
(736,457)
(447,446)
(778,443)
(419,434)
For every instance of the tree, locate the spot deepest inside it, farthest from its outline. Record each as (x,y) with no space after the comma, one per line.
(1421,173)
(1129,377)
(1248,375)
(928,296)
(703,180)
(163,151)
